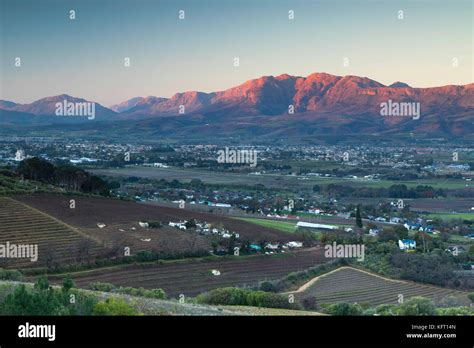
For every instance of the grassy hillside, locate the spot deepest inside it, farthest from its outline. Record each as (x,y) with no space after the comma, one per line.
(151,306)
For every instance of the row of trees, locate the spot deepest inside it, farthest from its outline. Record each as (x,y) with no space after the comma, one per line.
(66,176)
(394,191)
(43,299)
(243,297)
(417,305)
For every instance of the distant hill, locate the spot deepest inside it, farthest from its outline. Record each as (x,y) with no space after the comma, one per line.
(46,107)
(126,105)
(285,105)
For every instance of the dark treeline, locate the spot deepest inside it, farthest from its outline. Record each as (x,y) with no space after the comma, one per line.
(66,176)
(394,191)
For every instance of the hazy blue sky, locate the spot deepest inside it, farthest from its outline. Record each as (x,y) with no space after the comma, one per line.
(84,57)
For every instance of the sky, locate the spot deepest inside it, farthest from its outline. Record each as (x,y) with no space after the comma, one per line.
(432,45)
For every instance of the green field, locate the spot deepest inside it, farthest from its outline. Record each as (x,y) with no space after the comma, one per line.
(276,181)
(447,216)
(454,238)
(284,226)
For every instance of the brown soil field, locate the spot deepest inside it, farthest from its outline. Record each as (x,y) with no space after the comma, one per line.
(122,228)
(441,205)
(191,277)
(347,284)
(57,242)
(114,213)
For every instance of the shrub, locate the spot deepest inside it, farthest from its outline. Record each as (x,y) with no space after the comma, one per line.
(113,306)
(450,301)
(242,297)
(267,286)
(105,287)
(309,303)
(456,311)
(386,309)
(344,308)
(146,256)
(157,293)
(155,224)
(471,296)
(42,299)
(7,274)
(418,306)
(68,284)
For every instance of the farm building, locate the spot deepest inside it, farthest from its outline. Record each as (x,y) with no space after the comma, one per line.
(311,226)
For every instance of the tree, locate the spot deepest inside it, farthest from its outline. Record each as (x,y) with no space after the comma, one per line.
(36,169)
(358,217)
(68,284)
(401,231)
(388,234)
(190,224)
(418,306)
(231,244)
(344,308)
(310,303)
(42,283)
(423,241)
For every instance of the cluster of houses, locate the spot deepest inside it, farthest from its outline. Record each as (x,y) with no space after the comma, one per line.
(156,165)
(205,229)
(271,248)
(420,227)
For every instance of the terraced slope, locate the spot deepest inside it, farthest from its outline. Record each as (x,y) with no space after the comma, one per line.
(191,277)
(347,284)
(57,242)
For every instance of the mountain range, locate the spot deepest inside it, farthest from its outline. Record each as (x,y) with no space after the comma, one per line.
(281,105)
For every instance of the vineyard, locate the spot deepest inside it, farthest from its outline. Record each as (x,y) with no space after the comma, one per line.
(57,242)
(117,214)
(195,276)
(352,285)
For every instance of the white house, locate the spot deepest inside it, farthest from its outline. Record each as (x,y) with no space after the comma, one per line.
(374,232)
(406,244)
(395,220)
(294,244)
(272,246)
